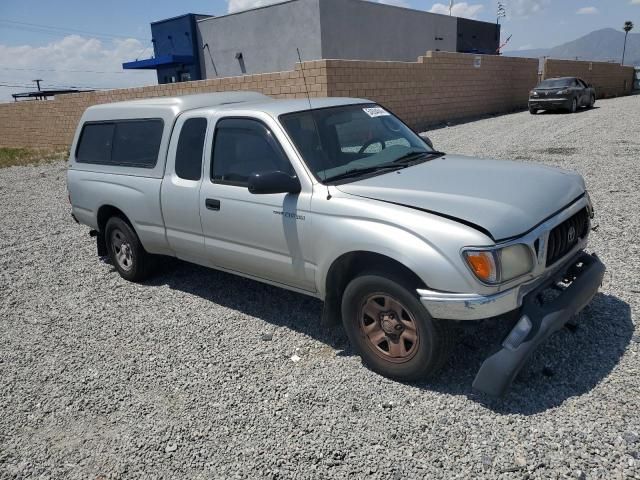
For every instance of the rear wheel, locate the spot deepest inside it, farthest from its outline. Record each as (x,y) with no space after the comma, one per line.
(125,251)
(393,333)
(592,101)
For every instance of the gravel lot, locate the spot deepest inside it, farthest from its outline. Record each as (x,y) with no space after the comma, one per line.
(190,375)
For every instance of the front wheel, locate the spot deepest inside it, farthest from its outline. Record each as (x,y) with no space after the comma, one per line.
(392,331)
(574,106)
(125,251)
(533,111)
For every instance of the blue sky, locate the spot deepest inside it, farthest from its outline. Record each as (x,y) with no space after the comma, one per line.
(96,36)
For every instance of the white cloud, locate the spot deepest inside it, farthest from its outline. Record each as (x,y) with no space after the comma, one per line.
(634,2)
(587,11)
(525,8)
(53,61)
(240,5)
(462,9)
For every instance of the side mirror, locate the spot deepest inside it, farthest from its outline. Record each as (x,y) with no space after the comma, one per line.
(273,182)
(428,141)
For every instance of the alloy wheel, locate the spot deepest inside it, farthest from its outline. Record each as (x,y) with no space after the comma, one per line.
(122,250)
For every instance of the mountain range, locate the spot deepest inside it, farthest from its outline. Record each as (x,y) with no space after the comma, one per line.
(601,45)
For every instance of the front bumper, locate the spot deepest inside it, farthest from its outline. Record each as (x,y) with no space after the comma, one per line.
(549,103)
(584,276)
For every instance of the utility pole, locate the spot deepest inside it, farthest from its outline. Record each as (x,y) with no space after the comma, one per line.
(38,80)
(450,7)
(628,26)
(502,13)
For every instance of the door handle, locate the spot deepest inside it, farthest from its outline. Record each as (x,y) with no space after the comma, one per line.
(212,204)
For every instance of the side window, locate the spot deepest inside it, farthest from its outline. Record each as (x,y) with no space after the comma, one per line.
(243,147)
(95,143)
(130,143)
(136,143)
(190,148)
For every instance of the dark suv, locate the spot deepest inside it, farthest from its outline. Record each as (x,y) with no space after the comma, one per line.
(567,93)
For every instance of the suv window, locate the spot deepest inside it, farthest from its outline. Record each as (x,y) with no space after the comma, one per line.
(243,147)
(190,148)
(130,143)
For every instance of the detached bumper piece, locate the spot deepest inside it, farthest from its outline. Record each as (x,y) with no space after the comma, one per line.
(539,318)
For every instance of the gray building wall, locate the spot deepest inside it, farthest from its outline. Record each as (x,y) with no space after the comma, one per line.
(358,30)
(267,37)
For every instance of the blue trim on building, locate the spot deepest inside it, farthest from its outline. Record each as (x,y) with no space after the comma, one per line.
(161,61)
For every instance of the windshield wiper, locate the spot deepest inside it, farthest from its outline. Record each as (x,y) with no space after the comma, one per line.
(404,161)
(410,157)
(363,171)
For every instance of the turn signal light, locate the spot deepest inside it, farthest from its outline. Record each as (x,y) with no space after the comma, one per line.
(483,265)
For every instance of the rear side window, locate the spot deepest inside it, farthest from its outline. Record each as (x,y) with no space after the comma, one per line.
(190,147)
(95,143)
(129,143)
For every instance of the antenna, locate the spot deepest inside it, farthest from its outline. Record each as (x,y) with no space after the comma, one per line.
(313,118)
(304,79)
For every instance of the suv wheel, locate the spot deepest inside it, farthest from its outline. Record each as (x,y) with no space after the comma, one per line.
(125,251)
(391,330)
(592,102)
(533,111)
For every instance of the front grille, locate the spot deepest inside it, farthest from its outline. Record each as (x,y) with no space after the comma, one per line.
(566,235)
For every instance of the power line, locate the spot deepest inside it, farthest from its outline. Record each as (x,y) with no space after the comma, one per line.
(53,30)
(9,83)
(2,67)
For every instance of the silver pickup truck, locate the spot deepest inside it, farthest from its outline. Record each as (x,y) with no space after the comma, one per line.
(337,198)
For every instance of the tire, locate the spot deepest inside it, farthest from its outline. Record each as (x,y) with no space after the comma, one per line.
(592,101)
(574,106)
(533,111)
(125,251)
(403,343)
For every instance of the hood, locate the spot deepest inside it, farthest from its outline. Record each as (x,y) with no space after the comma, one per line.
(503,198)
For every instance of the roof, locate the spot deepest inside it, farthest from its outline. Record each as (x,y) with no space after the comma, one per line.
(170,19)
(224,101)
(276,107)
(186,102)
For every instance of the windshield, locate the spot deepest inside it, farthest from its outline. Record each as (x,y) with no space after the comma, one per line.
(556,83)
(351,140)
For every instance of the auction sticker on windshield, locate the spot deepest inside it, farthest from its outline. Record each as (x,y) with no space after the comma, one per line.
(374,112)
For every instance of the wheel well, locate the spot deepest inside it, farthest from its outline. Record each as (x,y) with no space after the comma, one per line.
(348,266)
(105,212)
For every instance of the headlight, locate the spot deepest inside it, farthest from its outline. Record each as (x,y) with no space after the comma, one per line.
(563,92)
(533,93)
(499,265)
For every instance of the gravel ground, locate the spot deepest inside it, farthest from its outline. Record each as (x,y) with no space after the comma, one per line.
(190,375)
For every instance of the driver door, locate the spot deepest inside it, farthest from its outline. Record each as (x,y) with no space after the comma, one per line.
(255,235)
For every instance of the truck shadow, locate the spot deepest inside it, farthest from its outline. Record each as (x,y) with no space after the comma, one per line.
(571,363)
